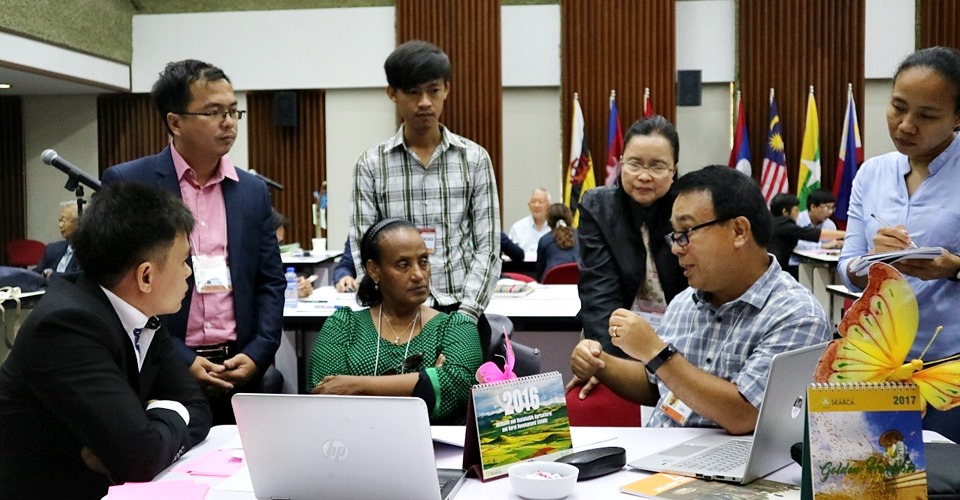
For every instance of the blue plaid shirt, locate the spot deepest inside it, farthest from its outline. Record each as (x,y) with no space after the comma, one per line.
(737,340)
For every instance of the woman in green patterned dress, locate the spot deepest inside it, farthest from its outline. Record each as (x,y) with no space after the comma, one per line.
(397,346)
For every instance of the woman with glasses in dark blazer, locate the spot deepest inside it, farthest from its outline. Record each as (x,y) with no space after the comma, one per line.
(398,346)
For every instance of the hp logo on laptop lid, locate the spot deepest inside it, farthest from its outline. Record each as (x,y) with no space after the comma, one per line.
(335,450)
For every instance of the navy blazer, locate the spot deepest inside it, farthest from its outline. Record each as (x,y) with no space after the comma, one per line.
(51,258)
(71,381)
(254,256)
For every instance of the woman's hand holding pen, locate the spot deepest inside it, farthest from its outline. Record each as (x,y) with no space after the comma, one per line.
(890,238)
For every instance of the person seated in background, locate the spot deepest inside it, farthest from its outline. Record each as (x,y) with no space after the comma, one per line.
(345,274)
(58,256)
(398,346)
(527,231)
(713,349)
(280,225)
(511,249)
(559,246)
(786,231)
(93,394)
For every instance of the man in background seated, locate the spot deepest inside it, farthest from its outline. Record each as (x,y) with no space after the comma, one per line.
(709,360)
(527,231)
(93,394)
(820,206)
(228,330)
(345,274)
(58,256)
(787,233)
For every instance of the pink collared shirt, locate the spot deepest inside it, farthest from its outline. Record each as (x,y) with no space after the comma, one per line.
(211,319)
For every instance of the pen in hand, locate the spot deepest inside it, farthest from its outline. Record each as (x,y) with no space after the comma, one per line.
(885,223)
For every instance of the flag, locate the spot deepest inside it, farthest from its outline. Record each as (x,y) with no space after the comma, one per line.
(614,142)
(580,177)
(647,103)
(773,179)
(851,156)
(808,177)
(740,154)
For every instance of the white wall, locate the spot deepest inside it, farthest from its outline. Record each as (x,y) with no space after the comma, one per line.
(67,124)
(705,130)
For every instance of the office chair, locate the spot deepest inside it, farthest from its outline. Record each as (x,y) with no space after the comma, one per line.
(601,408)
(563,274)
(24,253)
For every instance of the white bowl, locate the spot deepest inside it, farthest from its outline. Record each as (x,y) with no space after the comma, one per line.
(539,488)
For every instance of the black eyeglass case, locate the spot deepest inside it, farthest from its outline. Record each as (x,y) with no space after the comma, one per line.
(596,462)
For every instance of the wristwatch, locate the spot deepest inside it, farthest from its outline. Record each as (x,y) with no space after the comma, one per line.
(654,364)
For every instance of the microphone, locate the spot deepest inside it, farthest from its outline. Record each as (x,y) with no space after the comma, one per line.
(50,157)
(270,182)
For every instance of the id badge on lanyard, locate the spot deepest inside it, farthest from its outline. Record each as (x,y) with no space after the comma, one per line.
(675,409)
(211,273)
(429,236)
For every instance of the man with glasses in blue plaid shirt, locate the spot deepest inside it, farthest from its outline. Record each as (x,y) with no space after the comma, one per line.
(441,182)
(707,364)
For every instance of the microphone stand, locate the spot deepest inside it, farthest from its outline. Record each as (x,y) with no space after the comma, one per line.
(73,184)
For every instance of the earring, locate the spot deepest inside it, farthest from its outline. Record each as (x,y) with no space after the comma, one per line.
(376,286)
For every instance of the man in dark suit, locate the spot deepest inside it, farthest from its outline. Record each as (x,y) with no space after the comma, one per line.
(58,256)
(93,393)
(228,329)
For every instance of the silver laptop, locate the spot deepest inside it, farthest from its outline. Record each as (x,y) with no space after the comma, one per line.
(305,447)
(742,459)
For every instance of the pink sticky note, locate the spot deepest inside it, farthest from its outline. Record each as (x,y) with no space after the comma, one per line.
(161,490)
(216,463)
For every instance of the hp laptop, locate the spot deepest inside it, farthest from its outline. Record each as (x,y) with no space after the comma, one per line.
(305,447)
(741,459)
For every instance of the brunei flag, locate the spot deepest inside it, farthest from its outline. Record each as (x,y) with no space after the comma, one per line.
(580,172)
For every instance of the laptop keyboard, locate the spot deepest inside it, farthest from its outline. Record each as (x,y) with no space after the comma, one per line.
(729,455)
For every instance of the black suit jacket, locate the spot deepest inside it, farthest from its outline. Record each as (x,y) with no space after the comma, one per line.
(51,258)
(254,257)
(613,257)
(71,381)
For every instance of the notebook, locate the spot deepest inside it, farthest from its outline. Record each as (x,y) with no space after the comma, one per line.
(311,446)
(742,459)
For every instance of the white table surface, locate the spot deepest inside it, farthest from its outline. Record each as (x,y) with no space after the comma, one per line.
(314,257)
(638,441)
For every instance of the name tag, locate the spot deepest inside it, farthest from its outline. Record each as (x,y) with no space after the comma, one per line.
(429,236)
(211,273)
(675,409)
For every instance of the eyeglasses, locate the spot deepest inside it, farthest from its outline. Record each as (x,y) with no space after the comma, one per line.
(236,114)
(410,364)
(656,170)
(682,238)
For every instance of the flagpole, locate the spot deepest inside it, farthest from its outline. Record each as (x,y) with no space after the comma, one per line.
(771,94)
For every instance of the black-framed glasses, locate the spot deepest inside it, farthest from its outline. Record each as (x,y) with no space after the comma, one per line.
(410,364)
(682,238)
(236,114)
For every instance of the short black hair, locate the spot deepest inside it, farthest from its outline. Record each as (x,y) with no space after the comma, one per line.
(659,125)
(943,60)
(733,194)
(820,197)
(783,203)
(416,62)
(171,92)
(125,225)
(368,294)
(278,219)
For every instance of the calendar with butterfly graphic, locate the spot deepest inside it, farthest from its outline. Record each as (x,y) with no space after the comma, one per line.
(514,420)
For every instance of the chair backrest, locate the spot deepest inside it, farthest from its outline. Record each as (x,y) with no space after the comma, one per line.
(24,253)
(601,408)
(519,277)
(563,274)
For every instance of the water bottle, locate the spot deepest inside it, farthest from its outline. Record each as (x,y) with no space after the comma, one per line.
(290,298)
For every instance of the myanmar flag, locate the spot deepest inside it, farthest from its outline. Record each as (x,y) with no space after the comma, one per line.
(808,179)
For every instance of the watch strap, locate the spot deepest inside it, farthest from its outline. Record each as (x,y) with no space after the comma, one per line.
(654,364)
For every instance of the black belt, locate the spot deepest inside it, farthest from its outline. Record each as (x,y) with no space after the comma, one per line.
(217,353)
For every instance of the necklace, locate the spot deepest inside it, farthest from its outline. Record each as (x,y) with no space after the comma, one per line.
(413,324)
(396,336)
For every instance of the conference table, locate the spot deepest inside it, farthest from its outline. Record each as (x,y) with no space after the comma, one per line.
(818,269)
(637,441)
(545,319)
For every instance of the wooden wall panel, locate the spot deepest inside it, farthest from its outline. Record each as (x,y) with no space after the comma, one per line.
(469,32)
(790,46)
(937,23)
(616,45)
(13,184)
(293,156)
(128,127)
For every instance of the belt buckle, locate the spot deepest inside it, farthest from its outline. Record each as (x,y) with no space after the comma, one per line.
(214,354)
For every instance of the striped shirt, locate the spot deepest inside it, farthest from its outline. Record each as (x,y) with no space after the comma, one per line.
(737,340)
(455,194)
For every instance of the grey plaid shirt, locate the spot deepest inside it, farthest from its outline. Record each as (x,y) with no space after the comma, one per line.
(455,194)
(737,340)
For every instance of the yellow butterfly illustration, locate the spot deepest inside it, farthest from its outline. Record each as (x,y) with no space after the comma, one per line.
(877,334)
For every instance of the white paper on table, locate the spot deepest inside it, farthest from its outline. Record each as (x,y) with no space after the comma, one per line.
(239,481)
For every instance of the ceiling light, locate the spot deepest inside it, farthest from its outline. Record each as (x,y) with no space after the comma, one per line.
(4,85)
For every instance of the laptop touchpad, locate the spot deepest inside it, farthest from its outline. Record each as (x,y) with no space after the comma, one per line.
(683,450)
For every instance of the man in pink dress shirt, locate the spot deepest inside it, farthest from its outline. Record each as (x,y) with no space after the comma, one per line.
(229,327)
